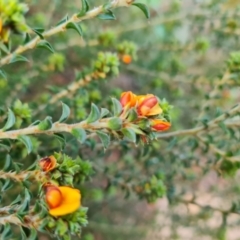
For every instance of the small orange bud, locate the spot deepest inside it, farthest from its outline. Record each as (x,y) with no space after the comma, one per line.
(48,163)
(126,58)
(160,125)
(148,105)
(128,99)
(53,196)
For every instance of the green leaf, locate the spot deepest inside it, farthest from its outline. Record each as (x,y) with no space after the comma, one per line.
(60,137)
(65,19)
(5,146)
(7,185)
(94,114)
(144,8)
(35,123)
(39,32)
(46,45)
(129,134)
(85,8)
(104,112)
(105,139)
(23,234)
(18,58)
(45,124)
(27,38)
(3,74)
(117,107)
(80,134)
(65,113)
(115,123)
(73,25)
(108,15)
(33,235)
(10,121)
(8,163)
(17,200)
(27,142)
(7,232)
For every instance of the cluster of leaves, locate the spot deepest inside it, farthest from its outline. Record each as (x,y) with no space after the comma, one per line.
(28,212)
(181,57)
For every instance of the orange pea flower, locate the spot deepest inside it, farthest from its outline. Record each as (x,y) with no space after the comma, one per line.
(148,105)
(160,125)
(48,163)
(0,25)
(128,99)
(62,200)
(126,58)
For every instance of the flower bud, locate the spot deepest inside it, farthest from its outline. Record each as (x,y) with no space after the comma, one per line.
(53,196)
(160,125)
(148,105)
(48,163)
(128,99)
(126,58)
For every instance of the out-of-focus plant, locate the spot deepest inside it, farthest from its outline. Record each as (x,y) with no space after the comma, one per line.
(75,146)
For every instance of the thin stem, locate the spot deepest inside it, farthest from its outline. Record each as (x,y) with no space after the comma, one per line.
(211,125)
(56,128)
(21,176)
(30,221)
(61,28)
(193,201)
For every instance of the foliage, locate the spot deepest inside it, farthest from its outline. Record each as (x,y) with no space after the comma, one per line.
(101,108)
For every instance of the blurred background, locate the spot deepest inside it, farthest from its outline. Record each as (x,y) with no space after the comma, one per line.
(182,53)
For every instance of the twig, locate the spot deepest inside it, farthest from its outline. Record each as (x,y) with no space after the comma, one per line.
(56,128)
(62,27)
(19,177)
(210,125)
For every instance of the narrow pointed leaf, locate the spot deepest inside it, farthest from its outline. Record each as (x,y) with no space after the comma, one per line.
(75,26)
(46,45)
(85,8)
(7,164)
(80,134)
(129,134)
(45,124)
(94,114)
(108,15)
(105,139)
(104,112)
(10,121)
(65,19)
(39,32)
(117,107)
(27,38)
(144,8)
(18,58)
(65,113)
(27,142)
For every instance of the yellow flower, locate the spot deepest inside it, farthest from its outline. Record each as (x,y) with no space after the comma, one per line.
(128,99)
(62,200)
(148,105)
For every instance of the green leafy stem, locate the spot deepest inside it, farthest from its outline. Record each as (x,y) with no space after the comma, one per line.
(103,12)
